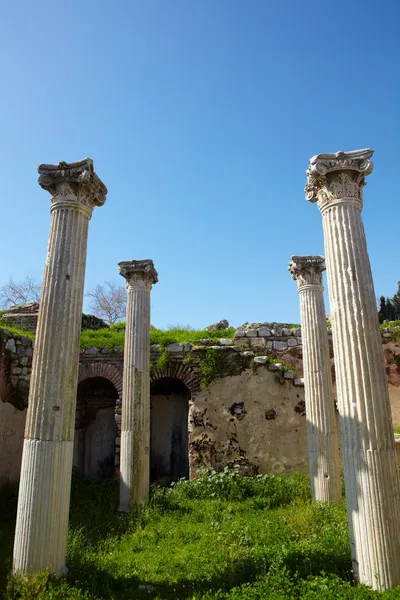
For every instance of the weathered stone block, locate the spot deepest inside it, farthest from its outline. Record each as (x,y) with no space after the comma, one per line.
(10,345)
(287,332)
(277,331)
(91,350)
(225,342)
(280,346)
(275,366)
(299,382)
(288,375)
(257,342)
(174,347)
(297,332)
(264,332)
(292,342)
(252,333)
(240,333)
(260,360)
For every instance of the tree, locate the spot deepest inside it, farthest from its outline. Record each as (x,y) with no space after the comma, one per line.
(19,292)
(108,301)
(390,312)
(396,302)
(382,309)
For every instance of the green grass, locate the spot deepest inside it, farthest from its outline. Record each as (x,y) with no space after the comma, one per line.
(115,337)
(218,537)
(17,330)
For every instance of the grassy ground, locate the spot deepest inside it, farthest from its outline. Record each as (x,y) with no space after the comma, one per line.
(219,537)
(115,337)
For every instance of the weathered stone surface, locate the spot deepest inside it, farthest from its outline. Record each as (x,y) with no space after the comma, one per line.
(251,332)
(335,182)
(221,325)
(264,331)
(280,345)
(257,342)
(297,332)
(277,331)
(174,347)
(287,332)
(260,360)
(118,349)
(299,382)
(275,366)
(240,333)
(322,430)
(91,350)
(44,490)
(247,353)
(10,345)
(140,276)
(225,342)
(292,342)
(278,443)
(288,374)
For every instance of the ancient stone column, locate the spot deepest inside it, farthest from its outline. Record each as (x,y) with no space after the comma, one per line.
(335,182)
(140,275)
(322,427)
(44,491)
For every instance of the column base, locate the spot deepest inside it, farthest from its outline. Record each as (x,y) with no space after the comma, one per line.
(43,507)
(134,469)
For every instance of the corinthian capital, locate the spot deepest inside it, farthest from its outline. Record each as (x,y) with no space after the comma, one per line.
(138,273)
(332,177)
(73,183)
(307,270)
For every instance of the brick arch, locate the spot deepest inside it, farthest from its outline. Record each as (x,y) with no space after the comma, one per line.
(100,369)
(179,371)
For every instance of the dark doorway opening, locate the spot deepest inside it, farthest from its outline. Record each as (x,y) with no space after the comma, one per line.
(169,453)
(95,428)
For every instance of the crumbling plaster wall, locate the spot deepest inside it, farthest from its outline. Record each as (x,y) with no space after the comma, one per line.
(255,421)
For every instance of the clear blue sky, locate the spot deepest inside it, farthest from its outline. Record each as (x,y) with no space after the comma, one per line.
(201,117)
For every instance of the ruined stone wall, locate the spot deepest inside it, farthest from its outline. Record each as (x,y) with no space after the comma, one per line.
(254,421)
(251,415)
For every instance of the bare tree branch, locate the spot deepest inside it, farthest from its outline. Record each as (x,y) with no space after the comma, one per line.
(19,292)
(108,301)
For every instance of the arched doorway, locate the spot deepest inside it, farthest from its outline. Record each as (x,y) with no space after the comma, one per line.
(169,406)
(95,427)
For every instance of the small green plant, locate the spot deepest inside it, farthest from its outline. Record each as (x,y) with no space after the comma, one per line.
(212,365)
(163,360)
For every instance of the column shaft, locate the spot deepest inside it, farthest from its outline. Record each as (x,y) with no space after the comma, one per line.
(322,429)
(42,517)
(44,493)
(336,182)
(135,426)
(369,457)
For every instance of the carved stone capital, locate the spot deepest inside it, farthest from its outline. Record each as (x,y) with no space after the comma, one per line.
(338,177)
(307,271)
(138,273)
(73,184)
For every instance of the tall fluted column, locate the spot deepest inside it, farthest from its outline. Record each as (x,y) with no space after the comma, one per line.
(44,491)
(322,429)
(140,275)
(335,182)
